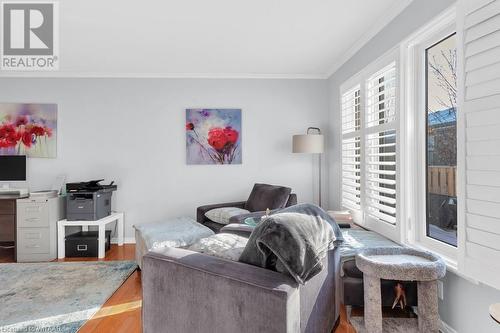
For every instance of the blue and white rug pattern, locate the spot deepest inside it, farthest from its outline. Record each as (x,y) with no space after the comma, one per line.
(57,296)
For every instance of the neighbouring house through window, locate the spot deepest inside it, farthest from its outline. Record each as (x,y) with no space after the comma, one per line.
(441,140)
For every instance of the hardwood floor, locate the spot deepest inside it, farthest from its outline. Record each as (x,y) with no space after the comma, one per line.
(122,312)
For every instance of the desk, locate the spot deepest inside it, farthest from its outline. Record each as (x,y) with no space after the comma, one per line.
(8,219)
(61,232)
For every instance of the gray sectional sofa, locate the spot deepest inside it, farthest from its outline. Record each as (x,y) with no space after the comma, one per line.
(185,291)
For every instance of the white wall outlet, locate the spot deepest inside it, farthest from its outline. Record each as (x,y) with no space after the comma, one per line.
(440,290)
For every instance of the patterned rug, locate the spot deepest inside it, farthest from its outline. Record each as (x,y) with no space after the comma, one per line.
(56,297)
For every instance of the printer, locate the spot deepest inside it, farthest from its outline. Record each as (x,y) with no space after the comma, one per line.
(88,201)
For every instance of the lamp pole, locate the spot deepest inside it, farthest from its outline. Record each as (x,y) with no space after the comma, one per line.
(318,130)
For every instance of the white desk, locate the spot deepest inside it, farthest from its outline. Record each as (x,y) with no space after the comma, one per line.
(61,232)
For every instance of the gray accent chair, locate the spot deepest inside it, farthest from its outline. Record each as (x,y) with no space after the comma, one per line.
(190,292)
(263,196)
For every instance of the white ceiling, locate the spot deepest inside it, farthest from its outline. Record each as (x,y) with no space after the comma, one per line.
(216,38)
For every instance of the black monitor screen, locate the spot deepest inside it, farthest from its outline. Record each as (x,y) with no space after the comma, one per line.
(12,168)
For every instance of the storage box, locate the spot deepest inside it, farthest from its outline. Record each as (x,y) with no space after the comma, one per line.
(85,244)
(88,206)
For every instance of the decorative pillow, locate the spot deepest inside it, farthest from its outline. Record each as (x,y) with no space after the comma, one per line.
(226,246)
(265,196)
(222,215)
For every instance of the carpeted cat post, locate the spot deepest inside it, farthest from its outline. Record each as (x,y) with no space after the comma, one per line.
(402,264)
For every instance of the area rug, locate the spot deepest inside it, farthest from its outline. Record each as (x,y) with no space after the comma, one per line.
(56,297)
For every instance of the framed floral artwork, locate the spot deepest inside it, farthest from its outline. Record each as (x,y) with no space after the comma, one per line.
(213,136)
(28,129)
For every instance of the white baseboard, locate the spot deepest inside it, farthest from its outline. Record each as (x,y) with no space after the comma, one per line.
(445,328)
(126,240)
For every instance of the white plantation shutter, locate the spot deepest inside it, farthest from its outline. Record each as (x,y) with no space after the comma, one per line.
(351,149)
(380,146)
(479,227)
(351,110)
(369,122)
(381,97)
(351,173)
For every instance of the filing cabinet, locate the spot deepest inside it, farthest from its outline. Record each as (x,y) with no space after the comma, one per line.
(37,228)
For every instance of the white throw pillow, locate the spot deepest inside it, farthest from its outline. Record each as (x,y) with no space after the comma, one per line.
(227,246)
(222,215)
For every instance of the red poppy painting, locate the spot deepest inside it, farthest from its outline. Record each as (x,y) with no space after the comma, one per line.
(213,136)
(28,129)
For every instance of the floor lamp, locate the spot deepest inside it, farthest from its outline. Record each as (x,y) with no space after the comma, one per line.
(312,142)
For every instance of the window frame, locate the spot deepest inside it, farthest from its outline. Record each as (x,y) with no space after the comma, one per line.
(413,125)
(360,79)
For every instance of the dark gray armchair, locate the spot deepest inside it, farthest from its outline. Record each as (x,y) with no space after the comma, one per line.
(263,196)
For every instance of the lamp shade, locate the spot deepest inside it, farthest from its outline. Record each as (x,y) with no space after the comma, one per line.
(308,143)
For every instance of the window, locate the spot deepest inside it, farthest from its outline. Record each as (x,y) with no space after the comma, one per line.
(429,135)
(441,138)
(369,142)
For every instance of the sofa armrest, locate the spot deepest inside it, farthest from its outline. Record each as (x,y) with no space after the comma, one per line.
(200,211)
(185,291)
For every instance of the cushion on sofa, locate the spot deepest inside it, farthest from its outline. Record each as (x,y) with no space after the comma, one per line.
(223,245)
(176,232)
(223,215)
(265,196)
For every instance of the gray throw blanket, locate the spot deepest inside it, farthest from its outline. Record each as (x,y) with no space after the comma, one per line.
(293,240)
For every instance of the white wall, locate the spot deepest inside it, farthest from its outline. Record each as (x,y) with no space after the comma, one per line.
(465,304)
(133,131)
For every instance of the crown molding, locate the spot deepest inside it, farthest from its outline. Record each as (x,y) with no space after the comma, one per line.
(63,74)
(384,20)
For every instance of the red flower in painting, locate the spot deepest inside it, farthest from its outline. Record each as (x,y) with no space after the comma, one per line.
(27,138)
(8,136)
(217,138)
(231,134)
(189,126)
(222,139)
(37,130)
(22,132)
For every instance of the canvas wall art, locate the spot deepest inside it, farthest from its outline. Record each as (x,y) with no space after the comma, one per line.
(213,136)
(28,129)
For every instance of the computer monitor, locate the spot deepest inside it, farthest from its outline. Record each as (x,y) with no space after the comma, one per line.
(12,168)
